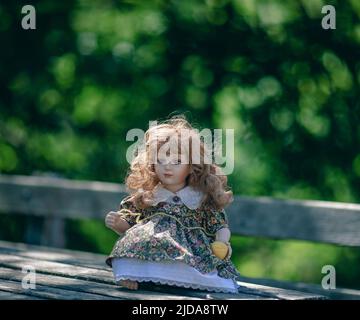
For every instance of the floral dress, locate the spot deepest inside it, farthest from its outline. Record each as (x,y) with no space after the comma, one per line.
(169,243)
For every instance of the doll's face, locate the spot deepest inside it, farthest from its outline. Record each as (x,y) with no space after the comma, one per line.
(172,173)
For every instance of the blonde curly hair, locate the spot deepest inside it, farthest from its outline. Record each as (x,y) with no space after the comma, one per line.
(204,175)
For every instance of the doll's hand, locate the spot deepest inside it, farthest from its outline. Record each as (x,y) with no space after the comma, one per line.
(115,222)
(221,249)
(229,252)
(221,246)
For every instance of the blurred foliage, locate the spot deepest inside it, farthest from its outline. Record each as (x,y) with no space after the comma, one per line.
(92,70)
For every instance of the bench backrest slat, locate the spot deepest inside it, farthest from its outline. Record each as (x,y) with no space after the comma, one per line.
(319,221)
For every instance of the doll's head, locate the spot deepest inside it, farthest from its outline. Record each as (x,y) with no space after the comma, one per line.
(174,155)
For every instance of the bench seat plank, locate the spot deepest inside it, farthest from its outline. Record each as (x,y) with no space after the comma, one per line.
(66,274)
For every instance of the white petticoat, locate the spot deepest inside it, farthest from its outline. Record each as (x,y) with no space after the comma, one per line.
(174,273)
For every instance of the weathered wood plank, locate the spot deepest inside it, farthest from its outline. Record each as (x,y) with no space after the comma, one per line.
(89,260)
(90,275)
(73,257)
(49,196)
(26,254)
(336,294)
(97,261)
(47,292)
(57,268)
(319,221)
(279,293)
(5,295)
(249,290)
(82,286)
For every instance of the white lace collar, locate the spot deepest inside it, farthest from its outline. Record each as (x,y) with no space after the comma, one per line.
(189,196)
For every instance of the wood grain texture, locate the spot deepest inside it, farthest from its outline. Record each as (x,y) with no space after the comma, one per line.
(60,270)
(48,196)
(334,294)
(6,295)
(66,274)
(319,221)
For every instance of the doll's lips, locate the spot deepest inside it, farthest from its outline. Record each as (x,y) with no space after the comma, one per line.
(168,175)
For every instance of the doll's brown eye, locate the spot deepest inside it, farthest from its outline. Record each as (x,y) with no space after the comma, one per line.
(176,162)
(164,162)
(161,162)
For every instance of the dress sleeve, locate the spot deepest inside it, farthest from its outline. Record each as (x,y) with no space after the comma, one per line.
(129,205)
(215,220)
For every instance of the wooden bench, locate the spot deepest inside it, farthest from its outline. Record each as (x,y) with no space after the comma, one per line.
(66,274)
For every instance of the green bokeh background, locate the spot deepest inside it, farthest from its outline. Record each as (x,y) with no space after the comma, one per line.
(92,70)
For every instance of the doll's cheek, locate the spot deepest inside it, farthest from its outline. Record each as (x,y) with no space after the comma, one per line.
(183,171)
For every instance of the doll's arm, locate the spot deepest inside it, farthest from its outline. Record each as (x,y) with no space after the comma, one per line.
(223,235)
(119,222)
(217,223)
(114,221)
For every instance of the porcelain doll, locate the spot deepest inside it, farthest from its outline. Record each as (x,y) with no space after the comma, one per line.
(173,228)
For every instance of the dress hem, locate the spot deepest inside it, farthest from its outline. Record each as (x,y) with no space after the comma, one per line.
(176,283)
